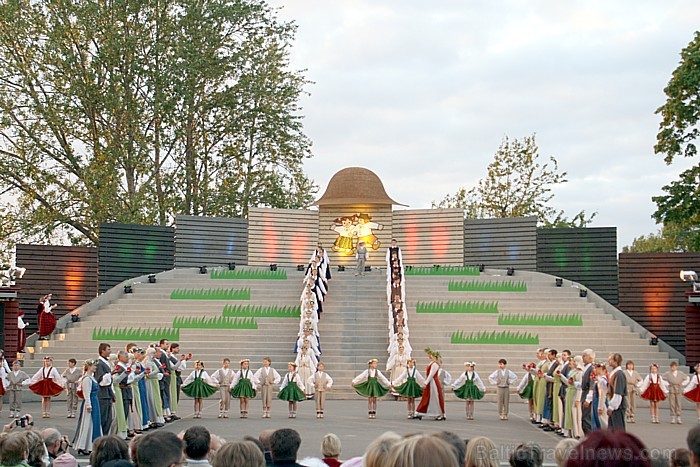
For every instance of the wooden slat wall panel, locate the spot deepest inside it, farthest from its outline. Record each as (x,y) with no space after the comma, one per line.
(501,243)
(210,241)
(129,250)
(286,237)
(8,342)
(430,236)
(587,256)
(380,214)
(652,293)
(68,272)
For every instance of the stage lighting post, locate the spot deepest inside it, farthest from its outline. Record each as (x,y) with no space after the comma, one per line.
(482,267)
(300,267)
(559,281)
(231,266)
(583,292)
(510,271)
(273,267)
(202,269)
(151,278)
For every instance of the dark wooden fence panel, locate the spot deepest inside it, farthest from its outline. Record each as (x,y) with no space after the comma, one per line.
(210,241)
(129,250)
(68,272)
(501,243)
(652,293)
(587,256)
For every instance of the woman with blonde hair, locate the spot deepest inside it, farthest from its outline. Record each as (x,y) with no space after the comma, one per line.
(378,450)
(330,449)
(481,452)
(239,454)
(423,450)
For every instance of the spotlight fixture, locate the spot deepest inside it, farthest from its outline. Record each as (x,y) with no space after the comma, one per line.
(74,318)
(482,267)
(409,268)
(231,266)
(436,266)
(691,276)
(510,271)
(300,267)
(653,340)
(273,267)
(341,268)
(583,293)
(151,278)
(202,269)
(559,281)
(128,289)
(368,268)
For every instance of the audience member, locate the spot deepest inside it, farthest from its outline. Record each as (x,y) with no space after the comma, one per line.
(481,452)
(563,449)
(265,440)
(422,450)
(54,442)
(527,455)
(605,448)
(118,463)
(14,449)
(330,450)
(108,448)
(378,450)
(160,449)
(133,447)
(256,442)
(65,460)
(240,454)
(197,444)
(680,458)
(693,440)
(38,456)
(284,445)
(458,444)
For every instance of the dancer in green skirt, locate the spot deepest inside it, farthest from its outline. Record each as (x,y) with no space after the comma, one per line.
(409,384)
(292,389)
(526,388)
(469,387)
(243,386)
(198,386)
(371,384)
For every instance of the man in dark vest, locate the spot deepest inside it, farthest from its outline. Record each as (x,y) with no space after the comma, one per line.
(548,413)
(588,358)
(617,393)
(105,393)
(161,356)
(565,369)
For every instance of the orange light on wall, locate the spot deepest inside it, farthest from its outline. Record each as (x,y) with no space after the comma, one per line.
(410,250)
(440,242)
(271,241)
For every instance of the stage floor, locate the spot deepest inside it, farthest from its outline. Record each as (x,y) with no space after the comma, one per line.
(348,420)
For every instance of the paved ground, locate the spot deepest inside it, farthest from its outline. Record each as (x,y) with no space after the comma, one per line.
(348,419)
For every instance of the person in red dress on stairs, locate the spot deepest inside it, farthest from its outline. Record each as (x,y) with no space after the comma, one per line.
(47,320)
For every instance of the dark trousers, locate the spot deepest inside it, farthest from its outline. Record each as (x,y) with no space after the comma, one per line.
(586,417)
(105,415)
(617,420)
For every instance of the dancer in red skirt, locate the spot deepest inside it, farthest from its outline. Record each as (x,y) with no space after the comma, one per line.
(47,320)
(653,389)
(47,383)
(692,390)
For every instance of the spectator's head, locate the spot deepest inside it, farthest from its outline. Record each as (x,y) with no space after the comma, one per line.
(457,443)
(36,448)
(52,440)
(239,453)
(284,444)
(159,449)
(14,448)
(378,450)
(481,452)
(108,448)
(65,460)
(330,446)
(423,450)
(255,441)
(605,448)
(197,442)
(265,438)
(133,446)
(527,455)
(680,458)
(693,440)
(563,449)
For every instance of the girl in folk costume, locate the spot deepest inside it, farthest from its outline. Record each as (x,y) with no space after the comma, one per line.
(654,389)
(198,386)
(571,381)
(692,390)
(292,389)
(89,423)
(397,363)
(409,384)
(243,386)
(371,384)
(526,389)
(307,338)
(306,362)
(676,381)
(4,371)
(539,387)
(633,380)
(16,379)
(267,377)
(599,409)
(141,420)
(432,404)
(71,376)
(319,384)
(325,262)
(577,413)
(469,387)
(223,377)
(47,383)
(153,399)
(123,380)
(47,320)
(21,332)
(135,412)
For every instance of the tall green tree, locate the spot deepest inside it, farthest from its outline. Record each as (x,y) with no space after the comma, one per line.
(135,111)
(679,207)
(517,184)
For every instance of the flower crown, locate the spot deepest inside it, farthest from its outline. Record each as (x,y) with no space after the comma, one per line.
(90,362)
(433,353)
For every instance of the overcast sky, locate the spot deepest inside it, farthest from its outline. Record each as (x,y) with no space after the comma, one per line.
(422,94)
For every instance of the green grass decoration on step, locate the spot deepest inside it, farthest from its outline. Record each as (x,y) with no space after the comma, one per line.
(499,338)
(218,322)
(210,294)
(457,307)
(549,319)
(135,334)
(442,271)
(260,311)
(249,274)
(487,286)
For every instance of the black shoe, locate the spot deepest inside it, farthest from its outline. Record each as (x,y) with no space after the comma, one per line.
(534,422)
(174,417)
(157,425)
(83,452)
(441,418)
(169,420)
(418,417)
(548,428)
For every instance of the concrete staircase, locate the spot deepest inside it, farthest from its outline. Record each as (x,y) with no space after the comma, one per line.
(353,326)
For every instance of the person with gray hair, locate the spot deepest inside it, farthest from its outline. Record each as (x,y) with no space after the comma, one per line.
(527,455)
(588,358)
(54,442)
